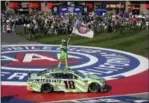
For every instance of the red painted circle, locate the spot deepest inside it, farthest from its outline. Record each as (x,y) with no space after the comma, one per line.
(134,84)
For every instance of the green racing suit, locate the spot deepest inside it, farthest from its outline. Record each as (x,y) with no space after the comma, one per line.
(64,55)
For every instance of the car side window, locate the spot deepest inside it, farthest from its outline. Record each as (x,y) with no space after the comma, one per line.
(48,75)
(61,76)
(68,76)
(75,77)
(55,75)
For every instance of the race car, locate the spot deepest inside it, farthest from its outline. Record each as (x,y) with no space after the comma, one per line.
(66,81)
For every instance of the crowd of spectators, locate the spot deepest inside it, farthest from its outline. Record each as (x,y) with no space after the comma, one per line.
(40,23)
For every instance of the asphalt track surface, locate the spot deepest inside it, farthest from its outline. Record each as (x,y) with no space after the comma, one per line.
(12,38)
(123,88)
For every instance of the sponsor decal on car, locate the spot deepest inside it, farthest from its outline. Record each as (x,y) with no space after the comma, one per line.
(45,81)
(19,60)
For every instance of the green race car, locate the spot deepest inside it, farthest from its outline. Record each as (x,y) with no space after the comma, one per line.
(66,81)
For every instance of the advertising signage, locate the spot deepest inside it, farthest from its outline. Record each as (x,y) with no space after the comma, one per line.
(100,11)
(70,9)
(64,10)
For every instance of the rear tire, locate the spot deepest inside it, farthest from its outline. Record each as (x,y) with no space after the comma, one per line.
(46,88)
(94,87)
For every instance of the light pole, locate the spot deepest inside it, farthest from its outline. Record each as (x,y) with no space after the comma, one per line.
(119,6)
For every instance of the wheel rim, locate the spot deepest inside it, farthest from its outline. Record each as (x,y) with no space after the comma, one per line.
(94,87)
(47,89)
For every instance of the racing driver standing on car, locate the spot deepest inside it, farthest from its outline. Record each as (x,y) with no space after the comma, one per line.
(63,54)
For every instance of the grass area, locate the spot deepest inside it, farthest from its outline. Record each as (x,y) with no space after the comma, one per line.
(136,42)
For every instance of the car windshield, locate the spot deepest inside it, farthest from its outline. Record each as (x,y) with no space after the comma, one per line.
(43,72)
(80,74)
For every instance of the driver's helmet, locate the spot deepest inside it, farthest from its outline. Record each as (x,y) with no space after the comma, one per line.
(63,42)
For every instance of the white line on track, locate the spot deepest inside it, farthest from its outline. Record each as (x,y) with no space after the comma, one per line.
(75,100)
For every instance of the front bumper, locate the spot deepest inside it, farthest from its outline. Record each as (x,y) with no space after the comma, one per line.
(29,87)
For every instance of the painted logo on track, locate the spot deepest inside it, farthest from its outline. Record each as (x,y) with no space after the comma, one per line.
(114,99)
(19,60)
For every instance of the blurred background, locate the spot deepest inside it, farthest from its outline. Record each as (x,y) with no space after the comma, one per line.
(26,7)
(120,25)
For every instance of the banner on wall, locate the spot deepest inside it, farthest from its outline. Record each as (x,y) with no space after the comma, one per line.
(64,10)
(13,5)
(34,5)
(100,11)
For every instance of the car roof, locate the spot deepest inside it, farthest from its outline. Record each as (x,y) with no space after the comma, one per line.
(68,71)
(61,71)
(50,71)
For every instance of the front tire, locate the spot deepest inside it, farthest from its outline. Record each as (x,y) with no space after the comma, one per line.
(46,88)
(94,87)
